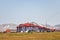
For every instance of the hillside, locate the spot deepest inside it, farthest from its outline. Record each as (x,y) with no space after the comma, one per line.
(3,27)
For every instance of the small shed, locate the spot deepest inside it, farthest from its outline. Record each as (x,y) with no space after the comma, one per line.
(8,31)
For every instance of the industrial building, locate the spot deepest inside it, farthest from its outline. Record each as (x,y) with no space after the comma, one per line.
(29,27)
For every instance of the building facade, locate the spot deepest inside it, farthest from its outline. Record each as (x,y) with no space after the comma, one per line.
(29,27)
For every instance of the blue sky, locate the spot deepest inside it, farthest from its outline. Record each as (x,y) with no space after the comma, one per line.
(21,11)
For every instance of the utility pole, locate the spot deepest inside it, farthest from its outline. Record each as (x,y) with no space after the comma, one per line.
(46,23)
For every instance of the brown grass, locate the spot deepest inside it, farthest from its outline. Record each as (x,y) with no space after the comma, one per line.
(30,36)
